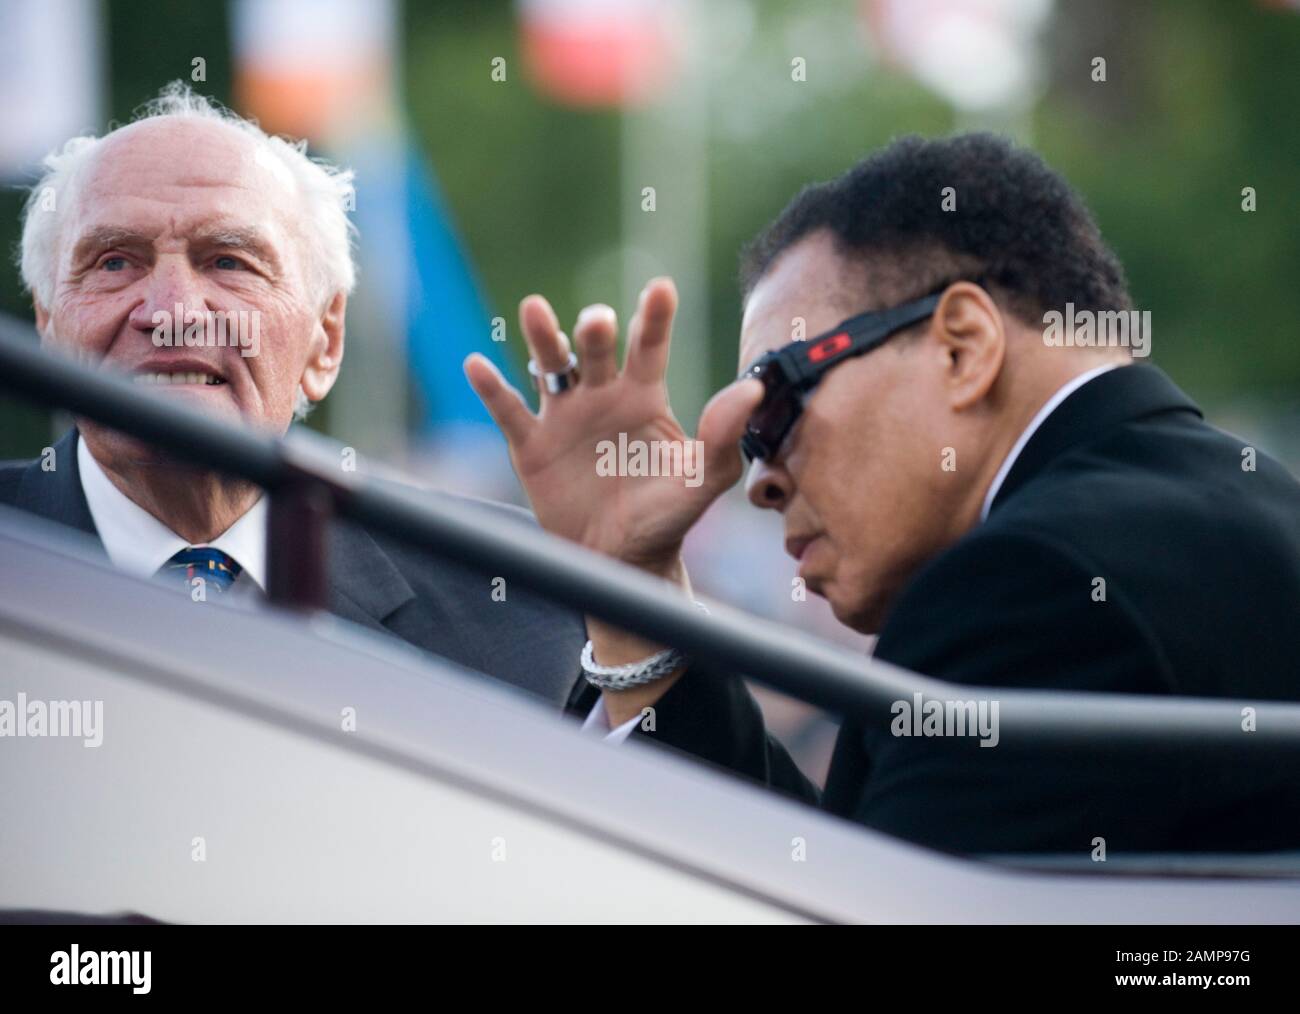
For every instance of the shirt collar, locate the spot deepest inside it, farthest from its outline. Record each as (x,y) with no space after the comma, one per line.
(1048,408)
(139,543)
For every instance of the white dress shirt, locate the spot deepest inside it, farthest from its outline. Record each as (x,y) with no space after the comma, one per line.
(1048,408)
(597,721)
(139,543)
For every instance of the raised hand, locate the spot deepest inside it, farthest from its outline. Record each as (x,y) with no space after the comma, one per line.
(563,454)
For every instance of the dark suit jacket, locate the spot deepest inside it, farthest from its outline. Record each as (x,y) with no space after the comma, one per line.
(1201,562)
(387,586)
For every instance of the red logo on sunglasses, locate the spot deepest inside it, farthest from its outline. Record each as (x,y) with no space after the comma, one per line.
(828,347)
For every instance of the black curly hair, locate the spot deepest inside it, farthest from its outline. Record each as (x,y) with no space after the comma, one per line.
(1017,225)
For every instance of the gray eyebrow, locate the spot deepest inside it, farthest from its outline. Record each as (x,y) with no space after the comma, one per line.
(101,236)
(233,237)
(237,238)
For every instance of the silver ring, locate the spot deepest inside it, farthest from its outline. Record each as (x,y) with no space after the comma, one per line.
(556,383)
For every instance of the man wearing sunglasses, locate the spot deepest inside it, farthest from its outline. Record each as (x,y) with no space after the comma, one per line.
(1002,509)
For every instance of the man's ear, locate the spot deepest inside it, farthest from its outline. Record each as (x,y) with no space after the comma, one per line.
(326,355)
(972,333)
(42,318)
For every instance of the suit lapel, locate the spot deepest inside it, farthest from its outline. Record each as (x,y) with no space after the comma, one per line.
(848,770)
(365,585)
(1111,399)
(57,495)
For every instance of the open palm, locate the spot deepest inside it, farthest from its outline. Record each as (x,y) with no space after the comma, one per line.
(561,455)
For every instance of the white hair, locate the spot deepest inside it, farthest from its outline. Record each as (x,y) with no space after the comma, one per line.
(326,191)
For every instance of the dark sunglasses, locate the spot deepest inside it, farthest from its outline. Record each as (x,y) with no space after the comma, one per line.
(790,373)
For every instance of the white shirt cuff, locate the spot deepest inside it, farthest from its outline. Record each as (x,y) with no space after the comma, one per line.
(597,723)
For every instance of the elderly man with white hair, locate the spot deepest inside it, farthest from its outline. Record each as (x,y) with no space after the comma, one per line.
(193,211)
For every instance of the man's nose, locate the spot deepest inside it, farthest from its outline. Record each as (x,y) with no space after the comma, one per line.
(171,282)
(768,485)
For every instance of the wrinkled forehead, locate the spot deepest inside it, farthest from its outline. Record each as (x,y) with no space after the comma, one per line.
(186,169)
(808,289)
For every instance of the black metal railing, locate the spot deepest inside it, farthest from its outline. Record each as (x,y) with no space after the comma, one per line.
(307,487)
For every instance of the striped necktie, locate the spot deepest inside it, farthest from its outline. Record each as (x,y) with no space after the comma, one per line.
(217,569)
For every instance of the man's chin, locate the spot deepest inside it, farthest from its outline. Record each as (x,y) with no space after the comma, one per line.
(863,615)
(112,446)
(216,399)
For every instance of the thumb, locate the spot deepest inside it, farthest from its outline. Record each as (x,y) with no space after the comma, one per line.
(722,424)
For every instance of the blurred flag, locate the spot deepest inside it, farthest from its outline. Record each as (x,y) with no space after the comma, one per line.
(600,52)
(314,68)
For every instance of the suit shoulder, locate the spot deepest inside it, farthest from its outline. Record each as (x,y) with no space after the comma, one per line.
(1009,607)
(488,508)
(15,472)
(11,476)
(1169,479)
(424,568)
(492,508)
(994,561)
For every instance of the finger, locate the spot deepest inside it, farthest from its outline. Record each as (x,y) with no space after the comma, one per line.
(506,405)
(648,339)
(722,424)
(596,336)
(547,344)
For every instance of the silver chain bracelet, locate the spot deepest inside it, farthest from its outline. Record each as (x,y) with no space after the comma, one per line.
(632,674)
